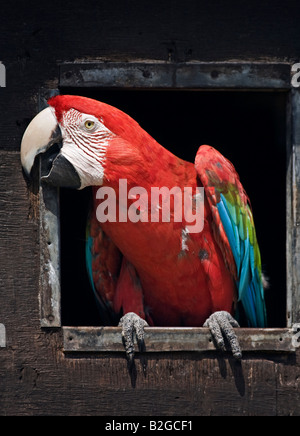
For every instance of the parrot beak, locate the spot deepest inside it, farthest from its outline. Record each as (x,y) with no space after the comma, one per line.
(43,137)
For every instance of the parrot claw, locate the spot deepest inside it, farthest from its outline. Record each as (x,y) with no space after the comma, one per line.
(131,323)
(221,326)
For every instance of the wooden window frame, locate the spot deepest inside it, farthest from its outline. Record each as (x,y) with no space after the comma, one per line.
(187,76)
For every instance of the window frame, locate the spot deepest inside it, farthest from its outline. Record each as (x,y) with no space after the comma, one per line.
(232,76)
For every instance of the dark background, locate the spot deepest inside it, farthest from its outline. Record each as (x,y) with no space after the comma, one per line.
(36,376)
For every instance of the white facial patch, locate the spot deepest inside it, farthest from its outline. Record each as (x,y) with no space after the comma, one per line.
(85,141)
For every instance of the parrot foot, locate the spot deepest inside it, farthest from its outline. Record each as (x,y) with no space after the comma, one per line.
(221,326)
(131,323)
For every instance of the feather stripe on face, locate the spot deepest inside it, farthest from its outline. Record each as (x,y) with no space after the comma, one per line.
(93,144)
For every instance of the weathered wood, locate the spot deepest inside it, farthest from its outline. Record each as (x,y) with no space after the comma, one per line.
(36,376)
(293,249)
(289,213)
(50,257)
(50,289)
(191,75)
(83,339)
(30,48)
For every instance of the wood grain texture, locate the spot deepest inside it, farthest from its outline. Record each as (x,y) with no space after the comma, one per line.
(190,75)
(34,42)
(36,376)
(162,339)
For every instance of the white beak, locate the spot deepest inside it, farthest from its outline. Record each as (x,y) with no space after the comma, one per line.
(43,137)
(42,132)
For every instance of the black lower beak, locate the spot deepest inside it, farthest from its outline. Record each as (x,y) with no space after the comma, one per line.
(56,170)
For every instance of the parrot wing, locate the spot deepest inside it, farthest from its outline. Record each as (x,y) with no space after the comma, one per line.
(234,229)
(103,263)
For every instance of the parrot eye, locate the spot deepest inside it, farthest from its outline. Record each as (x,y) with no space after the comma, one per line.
(89,124)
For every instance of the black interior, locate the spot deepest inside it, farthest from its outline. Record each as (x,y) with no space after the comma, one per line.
(249,128)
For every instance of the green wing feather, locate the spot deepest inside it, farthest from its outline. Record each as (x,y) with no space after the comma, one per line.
(235,226)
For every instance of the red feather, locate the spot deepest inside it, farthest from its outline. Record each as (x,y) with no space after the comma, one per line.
(168,282)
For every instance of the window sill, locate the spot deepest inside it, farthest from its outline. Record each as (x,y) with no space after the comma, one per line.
(165,339)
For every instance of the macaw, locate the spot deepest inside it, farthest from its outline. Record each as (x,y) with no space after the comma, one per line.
(153,273)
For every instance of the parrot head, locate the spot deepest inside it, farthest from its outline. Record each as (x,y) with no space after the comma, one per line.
(73,136)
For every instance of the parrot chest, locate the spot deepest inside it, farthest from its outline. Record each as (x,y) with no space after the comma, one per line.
(183,276)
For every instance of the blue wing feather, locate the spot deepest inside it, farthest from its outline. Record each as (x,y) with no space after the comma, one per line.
(229,230)
(232,218)
(249,283)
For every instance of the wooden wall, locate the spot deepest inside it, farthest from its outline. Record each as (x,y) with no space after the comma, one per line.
(36,377)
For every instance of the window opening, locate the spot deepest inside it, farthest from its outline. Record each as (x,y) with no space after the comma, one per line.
(184,106)
(248,128)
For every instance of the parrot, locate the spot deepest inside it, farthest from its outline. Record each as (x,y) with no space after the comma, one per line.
(147,273)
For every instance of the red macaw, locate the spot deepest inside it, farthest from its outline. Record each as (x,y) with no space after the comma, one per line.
(156,273)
